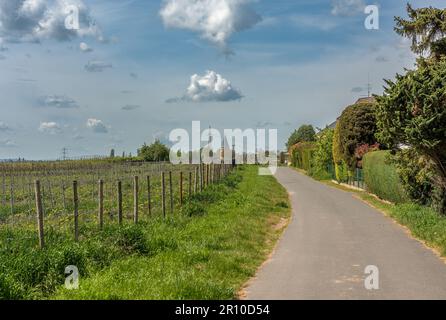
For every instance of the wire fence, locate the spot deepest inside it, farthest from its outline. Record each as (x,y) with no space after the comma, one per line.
(63,197)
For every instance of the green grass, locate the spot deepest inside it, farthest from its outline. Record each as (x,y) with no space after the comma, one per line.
(423,222)
(206,251)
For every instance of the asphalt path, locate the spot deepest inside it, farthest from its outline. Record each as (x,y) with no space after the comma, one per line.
(331,240)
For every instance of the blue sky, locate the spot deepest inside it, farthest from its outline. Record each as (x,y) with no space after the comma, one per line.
(292,62)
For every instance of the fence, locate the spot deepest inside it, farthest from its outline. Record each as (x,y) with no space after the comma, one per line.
(66,199)
(355,178)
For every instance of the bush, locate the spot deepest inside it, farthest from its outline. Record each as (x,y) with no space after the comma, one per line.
(381,177)
(322,162)
(301,155)
(341,172)
(356,126)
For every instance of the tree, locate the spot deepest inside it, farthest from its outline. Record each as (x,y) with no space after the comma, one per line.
(154,152)
(305,133)
(426,28)
(412,111)
(112,153)
(322,162)
(356,126)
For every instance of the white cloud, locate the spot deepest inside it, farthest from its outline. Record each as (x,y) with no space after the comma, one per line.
(97,66)
(210,87)
(50,127)
(347,7)
(59,101)
(97,125)
(85,47)
(35,20)
(215,20)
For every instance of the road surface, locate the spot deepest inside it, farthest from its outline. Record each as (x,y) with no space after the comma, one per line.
(331,239)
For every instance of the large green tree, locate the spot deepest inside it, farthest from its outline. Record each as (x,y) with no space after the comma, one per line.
(356,127)
(305,133)
(412,111)
(154,152)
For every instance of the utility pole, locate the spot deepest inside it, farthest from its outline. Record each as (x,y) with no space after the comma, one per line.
(64,153)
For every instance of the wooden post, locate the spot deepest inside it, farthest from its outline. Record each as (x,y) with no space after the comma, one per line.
(101,203)
(171,192)
(163,193)
(196,180)
(181,188)
(11,198)
(149,196)
(190,184)
(120,202)
(39,214)
(76,211)
(63,196)
(135,199)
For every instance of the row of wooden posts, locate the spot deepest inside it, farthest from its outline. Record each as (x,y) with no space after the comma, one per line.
(203,176)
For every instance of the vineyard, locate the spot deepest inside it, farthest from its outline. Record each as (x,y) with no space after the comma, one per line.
(73,195)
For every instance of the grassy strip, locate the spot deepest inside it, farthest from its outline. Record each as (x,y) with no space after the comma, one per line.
(424,223)
(207,256)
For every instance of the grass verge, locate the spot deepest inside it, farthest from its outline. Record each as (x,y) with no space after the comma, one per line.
(207,252)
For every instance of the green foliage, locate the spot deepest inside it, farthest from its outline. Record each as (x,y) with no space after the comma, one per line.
(154,152)
(415,175)
(301,155)
(412,112)
(305,133)
(381,177)
(426,28)
(337,149)
(341,172)
(357,126)
(322,160)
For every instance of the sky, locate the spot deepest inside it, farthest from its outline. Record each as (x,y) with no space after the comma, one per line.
(134,70)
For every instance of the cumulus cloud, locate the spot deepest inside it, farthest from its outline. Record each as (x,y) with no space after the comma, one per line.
(85,47)
(209,87)
(130,107)
(214,20)
(59,101)
(97,125)
(35,20)
(97,66)
(50,127)
(347,7)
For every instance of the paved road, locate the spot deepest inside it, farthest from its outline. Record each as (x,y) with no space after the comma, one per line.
(331,239)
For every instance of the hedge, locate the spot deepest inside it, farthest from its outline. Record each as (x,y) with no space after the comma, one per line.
(302,154)
(381,177)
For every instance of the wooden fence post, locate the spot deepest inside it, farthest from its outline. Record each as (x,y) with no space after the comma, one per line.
(149,196)
(135,199)
(196,180)
(76,211)
(39,210)
(163,193)
(181,188)
(101,203)
(171,192)
(120,202)
(190,184)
